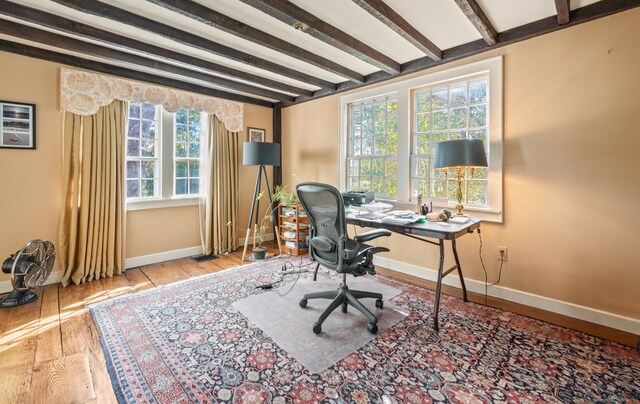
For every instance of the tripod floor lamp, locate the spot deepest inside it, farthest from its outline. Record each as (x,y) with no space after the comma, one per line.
(260,154)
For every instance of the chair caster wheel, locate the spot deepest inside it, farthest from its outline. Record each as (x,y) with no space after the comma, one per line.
(303,303)
(317,328)
(372,327)
(379,303)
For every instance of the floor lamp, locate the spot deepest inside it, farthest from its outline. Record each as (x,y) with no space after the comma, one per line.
(260,154)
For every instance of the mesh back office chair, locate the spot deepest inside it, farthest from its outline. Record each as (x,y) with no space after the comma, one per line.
(330,245)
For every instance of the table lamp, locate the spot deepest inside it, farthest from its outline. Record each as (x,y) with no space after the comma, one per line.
(259,154)
(458,155)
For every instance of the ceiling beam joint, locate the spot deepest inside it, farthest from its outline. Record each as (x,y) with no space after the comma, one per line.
(308,23)
(380,10)
(564,9)
(479,19)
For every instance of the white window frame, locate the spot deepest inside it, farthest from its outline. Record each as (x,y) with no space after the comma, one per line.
(493,68)
(187,159)
(158,154)
(371,157)
(166,194)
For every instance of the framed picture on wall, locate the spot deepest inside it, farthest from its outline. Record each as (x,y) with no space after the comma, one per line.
(255,134)
(17,125)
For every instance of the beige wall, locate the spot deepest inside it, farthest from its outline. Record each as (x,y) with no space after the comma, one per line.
(571,139)
(31,180)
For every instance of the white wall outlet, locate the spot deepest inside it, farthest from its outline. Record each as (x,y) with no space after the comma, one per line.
(501,253)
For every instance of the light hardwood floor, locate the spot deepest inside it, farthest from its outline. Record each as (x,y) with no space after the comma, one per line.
(50,350)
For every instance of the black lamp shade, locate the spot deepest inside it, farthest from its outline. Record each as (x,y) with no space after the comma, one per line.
(261,154)
(460,153)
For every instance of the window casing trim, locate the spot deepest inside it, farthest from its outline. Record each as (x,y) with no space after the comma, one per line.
(404,89)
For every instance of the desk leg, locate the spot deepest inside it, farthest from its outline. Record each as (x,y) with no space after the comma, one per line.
(455,255)
(438,286)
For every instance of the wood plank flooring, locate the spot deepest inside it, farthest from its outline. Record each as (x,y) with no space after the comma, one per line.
(50,349)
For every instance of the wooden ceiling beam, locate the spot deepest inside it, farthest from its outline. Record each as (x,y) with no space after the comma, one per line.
(106,37)
(69,60)
(564,9)
(75,45)
(220,21)
(104,10)
(380,10)
(306,22)
(479,19)
(544,26)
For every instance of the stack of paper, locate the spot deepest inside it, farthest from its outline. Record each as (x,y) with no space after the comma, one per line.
(406,217)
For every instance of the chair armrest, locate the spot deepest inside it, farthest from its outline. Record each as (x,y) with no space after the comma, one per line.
(371,234)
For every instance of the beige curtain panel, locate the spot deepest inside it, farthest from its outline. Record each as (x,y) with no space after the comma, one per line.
(91,241)
(221,207)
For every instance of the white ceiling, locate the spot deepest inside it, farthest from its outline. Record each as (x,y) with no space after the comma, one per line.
(441,21)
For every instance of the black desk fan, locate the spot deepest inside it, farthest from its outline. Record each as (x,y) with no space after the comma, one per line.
(29,268)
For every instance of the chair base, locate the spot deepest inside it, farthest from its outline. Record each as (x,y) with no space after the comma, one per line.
(344,297)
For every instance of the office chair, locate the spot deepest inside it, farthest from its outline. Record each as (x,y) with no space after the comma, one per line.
(330,245)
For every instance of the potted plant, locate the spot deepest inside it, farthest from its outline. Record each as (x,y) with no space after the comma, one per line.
(280,195)
(259,235)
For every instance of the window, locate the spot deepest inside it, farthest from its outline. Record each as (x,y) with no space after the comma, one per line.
(388,135)
(187,152)
(163,153)
(454,110)
(373,143)
(143,155)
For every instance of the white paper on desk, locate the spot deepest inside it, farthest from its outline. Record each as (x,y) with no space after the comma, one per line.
(376,206)
(371,215)
(400,220)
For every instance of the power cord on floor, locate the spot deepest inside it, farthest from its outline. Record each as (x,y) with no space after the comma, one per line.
(486,276)
(284,268)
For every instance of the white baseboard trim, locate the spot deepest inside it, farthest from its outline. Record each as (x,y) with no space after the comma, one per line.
(267,237)
(161,257)
(607,319)
(54,277)
(5,286)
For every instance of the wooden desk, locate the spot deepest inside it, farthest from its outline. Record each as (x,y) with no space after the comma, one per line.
(436,230)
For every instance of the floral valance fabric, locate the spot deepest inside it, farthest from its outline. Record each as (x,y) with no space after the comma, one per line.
(83,93)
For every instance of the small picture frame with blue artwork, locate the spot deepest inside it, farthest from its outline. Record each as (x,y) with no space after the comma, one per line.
(17,125)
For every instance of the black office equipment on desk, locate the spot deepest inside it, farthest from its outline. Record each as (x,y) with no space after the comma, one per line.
(357,198)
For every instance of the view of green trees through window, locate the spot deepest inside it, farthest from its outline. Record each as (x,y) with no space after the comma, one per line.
(457,110)
(147,175)
(373,143)
(142,159)
(187,152)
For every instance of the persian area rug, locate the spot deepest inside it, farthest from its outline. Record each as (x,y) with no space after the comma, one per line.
(278,314)
(186,342)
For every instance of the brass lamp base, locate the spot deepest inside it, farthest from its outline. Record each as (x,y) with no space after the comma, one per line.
(459,177)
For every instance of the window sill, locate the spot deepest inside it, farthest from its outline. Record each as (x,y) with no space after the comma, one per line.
(486,214)
(162,203)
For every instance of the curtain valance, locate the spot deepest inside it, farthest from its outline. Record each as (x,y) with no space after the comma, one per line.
(83,93)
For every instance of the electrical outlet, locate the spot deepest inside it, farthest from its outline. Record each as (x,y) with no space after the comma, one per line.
(501,253)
